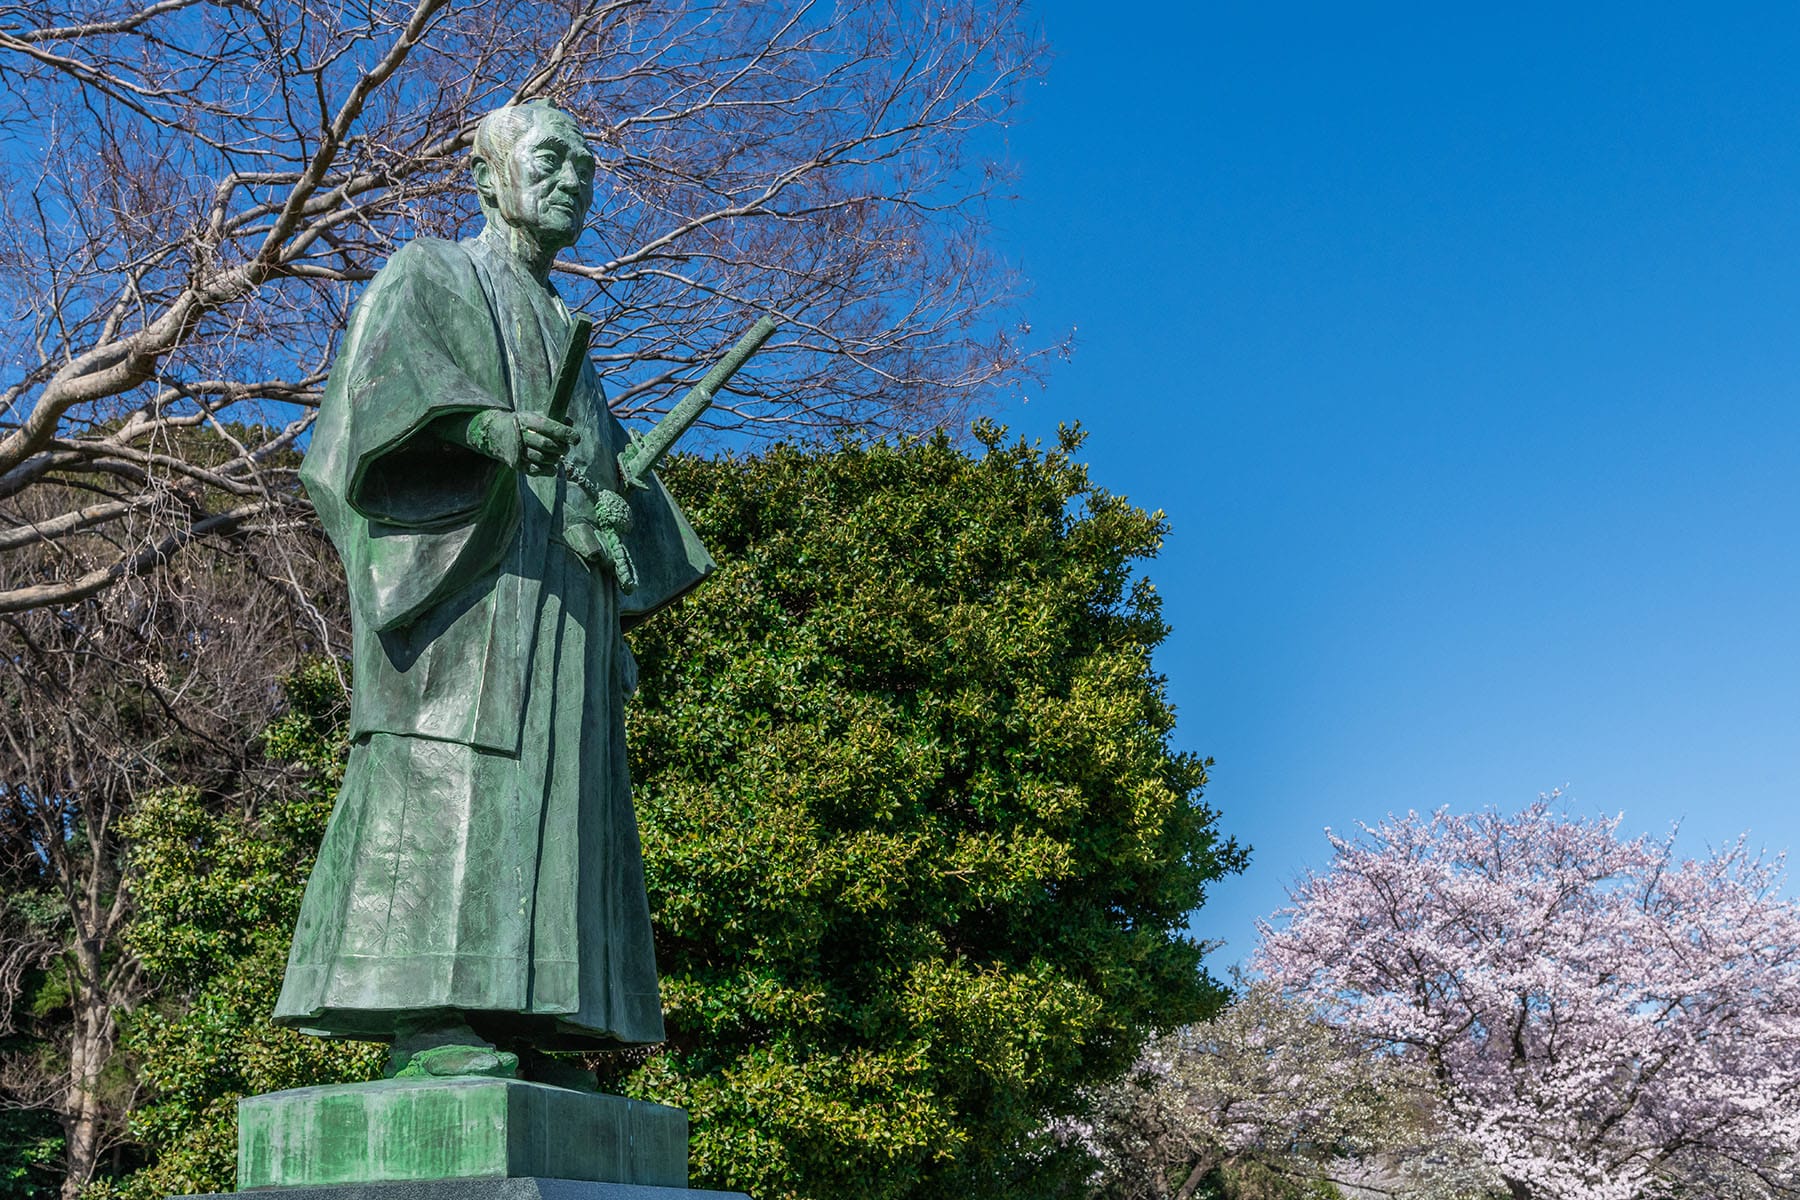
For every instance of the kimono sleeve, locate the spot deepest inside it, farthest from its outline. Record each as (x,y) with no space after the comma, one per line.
(414,517)
(413,366)
(666,551)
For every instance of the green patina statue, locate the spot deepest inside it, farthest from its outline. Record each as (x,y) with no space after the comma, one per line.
(479,895)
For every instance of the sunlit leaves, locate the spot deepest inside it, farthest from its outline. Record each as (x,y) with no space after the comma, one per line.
(908,801)
(919,853)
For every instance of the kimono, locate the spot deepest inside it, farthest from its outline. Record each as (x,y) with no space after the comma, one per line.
(483,853)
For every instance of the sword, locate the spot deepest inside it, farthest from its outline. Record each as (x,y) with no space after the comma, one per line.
(637,460)
(600,539)
(581,330)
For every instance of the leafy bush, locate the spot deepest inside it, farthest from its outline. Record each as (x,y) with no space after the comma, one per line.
(920,855)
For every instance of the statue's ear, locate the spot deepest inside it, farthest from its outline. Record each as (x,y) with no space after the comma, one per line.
(484,180)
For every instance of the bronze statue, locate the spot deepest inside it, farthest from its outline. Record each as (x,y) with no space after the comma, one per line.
(479,895)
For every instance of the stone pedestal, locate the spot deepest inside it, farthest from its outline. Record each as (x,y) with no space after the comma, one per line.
(458,1133)
(491,1189)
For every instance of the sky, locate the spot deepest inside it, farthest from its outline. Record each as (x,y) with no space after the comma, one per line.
(1461,346)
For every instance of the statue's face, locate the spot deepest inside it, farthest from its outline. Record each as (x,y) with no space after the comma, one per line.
(548,183)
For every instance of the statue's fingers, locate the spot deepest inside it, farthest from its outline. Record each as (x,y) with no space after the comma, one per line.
(538,443)
(547,427)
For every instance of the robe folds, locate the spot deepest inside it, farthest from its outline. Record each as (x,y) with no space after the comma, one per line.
(483,853)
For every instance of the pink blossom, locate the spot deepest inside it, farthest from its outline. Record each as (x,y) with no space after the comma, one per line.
(1603,1021)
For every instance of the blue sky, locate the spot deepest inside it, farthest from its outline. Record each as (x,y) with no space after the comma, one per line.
(1462,347)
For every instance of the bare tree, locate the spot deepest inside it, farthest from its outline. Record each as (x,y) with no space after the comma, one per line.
(192,193)
(164,679)
(193,190)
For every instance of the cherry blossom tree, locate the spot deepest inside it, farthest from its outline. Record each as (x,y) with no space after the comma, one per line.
(1264,1088)
(1602,1019)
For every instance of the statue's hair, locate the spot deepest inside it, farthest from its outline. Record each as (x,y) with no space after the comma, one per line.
(496,133)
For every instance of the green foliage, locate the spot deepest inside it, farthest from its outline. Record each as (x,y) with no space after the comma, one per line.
(920,856)
(217,895)
(31,1147)
(34,926)
(919,851)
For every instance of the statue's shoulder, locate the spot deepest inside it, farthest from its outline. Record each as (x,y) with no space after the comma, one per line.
(430,257)
(426,271)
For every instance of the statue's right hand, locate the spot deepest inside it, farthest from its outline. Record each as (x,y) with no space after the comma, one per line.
(542,442)
(529,442)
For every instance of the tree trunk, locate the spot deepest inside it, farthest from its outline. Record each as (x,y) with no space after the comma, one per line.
(84,1116)
(1201,1170)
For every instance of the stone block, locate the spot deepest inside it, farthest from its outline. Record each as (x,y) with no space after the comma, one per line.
(396,1130)
(491,1189)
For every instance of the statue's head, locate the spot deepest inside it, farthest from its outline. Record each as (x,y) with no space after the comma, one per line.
(534,173)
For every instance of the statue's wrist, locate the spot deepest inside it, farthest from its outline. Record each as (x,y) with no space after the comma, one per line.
(489,432)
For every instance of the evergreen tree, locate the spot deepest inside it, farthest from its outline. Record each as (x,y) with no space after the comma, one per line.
(920,854)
